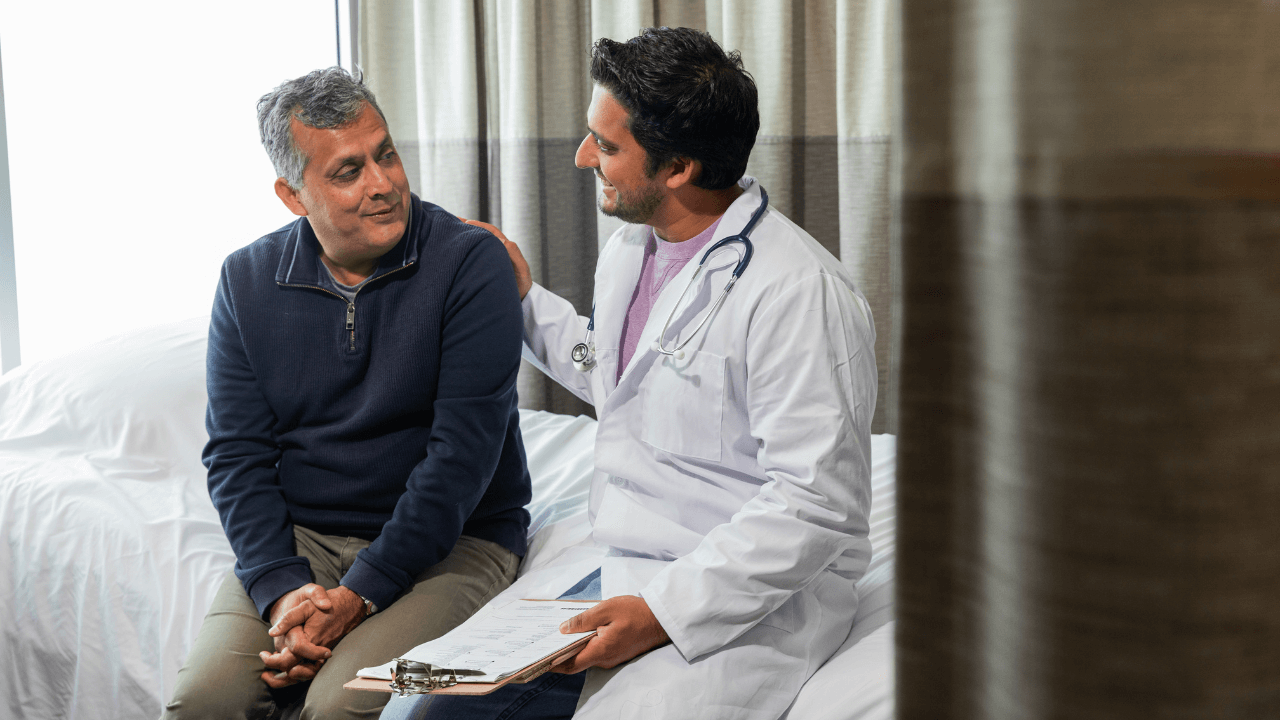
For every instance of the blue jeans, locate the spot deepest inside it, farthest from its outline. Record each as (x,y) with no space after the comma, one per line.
(550,697)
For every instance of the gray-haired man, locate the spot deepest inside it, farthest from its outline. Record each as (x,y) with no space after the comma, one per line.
(364,448)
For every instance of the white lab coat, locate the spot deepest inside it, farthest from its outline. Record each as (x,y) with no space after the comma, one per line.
(732,487)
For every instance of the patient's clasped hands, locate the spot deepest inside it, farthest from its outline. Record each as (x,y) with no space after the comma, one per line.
(305,624)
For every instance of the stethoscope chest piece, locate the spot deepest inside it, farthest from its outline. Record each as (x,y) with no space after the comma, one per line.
(583,357)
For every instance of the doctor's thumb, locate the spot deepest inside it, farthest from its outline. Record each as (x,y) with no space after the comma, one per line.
(582,622)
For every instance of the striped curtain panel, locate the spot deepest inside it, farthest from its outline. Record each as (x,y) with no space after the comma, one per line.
(487,100)
(1089,456)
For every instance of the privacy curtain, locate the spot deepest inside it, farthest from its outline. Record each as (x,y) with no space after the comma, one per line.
(487,101)
(1089,453)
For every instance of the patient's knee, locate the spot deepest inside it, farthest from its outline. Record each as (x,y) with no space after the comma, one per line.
(208,703)
(326,699)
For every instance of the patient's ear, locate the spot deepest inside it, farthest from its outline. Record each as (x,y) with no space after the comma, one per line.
(289,197)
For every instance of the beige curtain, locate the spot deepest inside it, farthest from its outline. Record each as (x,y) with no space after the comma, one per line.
(487,100)
(1089,455)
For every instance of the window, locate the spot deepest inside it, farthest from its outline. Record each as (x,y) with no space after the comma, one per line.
(134,159)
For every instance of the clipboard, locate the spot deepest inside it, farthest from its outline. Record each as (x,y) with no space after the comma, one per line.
(420,678)
(463,687)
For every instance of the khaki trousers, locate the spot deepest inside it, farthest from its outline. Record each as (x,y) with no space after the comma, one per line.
(221,677)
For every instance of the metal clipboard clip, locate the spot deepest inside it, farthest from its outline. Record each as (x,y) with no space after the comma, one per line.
(415,678)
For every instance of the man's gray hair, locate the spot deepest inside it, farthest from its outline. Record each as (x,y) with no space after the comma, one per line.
(322,99)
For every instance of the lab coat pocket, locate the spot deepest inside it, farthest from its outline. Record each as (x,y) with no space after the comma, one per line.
(683,402)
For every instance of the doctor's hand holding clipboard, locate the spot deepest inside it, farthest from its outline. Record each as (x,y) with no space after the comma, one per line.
(625,628)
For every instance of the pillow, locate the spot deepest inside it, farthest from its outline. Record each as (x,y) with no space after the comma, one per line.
(135,396)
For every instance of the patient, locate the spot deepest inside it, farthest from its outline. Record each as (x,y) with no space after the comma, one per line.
(364,451)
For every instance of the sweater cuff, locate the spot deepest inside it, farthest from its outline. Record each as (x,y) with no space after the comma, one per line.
(274,584)
(367,581)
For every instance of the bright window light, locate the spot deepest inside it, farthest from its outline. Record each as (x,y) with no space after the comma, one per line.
(134,156)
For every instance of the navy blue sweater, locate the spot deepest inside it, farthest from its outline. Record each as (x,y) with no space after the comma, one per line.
(399,427)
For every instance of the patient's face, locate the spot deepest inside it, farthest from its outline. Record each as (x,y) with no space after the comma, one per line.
(354,188)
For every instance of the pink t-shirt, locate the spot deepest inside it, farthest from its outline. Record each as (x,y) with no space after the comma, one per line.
(662,261)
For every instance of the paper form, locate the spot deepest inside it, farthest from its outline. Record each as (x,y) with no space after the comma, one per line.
(501,642)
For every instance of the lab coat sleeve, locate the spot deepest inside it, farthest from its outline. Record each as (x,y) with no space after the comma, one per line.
(811,384)
(551,328)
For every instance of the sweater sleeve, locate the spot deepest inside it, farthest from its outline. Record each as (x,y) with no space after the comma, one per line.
(475,400)
(241,457)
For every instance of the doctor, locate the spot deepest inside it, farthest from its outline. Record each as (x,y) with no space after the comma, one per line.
(729,505)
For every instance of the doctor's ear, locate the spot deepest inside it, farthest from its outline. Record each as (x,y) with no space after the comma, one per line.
(289,197)
(683,171)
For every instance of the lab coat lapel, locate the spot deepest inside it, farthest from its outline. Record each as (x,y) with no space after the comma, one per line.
(613,294)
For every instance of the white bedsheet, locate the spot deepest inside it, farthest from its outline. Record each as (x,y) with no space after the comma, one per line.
(112,551)
(110,541)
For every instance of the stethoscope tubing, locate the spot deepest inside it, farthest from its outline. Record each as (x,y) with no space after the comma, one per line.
(743,261)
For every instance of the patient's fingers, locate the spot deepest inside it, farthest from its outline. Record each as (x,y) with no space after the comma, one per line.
(284,668)
(302,672)
(294,617)
(279,661)
(277,680)
(300,644)
(319,596)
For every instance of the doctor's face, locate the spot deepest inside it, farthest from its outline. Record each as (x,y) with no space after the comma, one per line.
(627,191)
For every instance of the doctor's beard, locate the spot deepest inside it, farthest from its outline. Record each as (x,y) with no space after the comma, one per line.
(632,206)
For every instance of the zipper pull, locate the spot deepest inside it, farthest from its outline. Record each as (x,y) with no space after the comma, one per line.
(351,324)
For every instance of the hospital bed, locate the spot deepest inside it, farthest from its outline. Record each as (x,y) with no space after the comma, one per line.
(111,550)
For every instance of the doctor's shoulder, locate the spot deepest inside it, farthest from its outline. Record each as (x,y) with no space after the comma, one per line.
(790,254)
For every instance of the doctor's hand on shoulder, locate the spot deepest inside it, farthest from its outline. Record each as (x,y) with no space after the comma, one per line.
(524,279)
(625,627)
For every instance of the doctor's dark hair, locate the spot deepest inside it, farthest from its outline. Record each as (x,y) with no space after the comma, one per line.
(322,99)
(685,97)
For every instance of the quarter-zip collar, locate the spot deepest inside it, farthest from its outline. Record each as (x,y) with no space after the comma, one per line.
(299,263)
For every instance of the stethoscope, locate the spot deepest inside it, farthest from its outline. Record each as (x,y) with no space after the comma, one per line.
(584,353)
